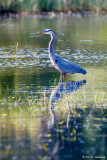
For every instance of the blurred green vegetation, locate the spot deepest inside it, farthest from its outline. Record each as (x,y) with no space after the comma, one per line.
(15,6)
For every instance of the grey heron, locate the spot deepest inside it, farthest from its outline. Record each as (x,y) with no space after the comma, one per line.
(63,65)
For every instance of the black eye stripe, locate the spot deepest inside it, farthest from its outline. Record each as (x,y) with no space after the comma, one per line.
(49,30)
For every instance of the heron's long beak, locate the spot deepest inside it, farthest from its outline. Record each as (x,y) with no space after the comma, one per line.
(40,32)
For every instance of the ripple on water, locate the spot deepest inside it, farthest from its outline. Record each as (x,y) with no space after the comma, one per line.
(39,57)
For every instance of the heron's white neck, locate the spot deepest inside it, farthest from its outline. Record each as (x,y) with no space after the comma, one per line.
(51,52)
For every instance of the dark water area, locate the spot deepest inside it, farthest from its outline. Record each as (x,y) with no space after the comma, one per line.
(41,117)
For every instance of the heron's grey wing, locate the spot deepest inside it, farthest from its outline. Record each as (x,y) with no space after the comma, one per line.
(68,67)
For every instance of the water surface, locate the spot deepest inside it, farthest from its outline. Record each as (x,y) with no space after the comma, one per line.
(40,117)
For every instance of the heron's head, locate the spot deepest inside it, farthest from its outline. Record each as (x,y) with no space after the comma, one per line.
(47,31)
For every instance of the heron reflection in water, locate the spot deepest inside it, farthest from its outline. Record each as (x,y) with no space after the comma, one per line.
(63,65)
(63,88)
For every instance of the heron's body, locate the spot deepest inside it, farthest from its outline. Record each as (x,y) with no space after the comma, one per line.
(63,65)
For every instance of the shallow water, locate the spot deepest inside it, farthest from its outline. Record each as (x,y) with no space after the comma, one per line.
(40,117)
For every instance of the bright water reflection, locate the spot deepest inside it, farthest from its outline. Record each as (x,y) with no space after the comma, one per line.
(40,117)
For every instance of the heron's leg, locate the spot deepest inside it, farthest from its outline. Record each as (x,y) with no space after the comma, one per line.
(63,76)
